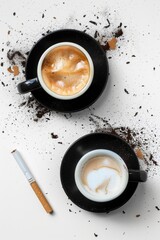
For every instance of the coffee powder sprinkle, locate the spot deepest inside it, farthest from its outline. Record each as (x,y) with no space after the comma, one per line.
(96,235)
(111,44)
(38,109)
(157,208)
(93,22)
(135,138)
(54,136)
(118,33)
(126,91)
(107,26)
(15,55)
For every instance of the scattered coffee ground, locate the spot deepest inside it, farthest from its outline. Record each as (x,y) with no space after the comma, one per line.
(157,208)
(111,44)
(123,212)
(105,47)
(96,34)
(13,55)
(3,84)
(17,57)
(54,136)
(118,33)
(126,91)
(41,112)
(135,138)
(22,104)
(108,24)
(152,160)
(93,22)
(138,215)
(96,235)
(38,109)
(120,25)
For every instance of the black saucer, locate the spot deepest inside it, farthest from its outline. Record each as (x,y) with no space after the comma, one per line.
(100,69)
(77,150)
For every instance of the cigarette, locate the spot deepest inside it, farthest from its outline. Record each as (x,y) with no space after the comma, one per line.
(32,181)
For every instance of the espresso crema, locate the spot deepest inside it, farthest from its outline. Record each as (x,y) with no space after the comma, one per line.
(101,175)
(65,70)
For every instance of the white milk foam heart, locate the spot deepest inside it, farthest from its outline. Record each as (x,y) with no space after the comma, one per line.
(103,181)
(101,175)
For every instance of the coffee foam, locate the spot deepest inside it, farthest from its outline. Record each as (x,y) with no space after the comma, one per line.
(101,175)
(65,70)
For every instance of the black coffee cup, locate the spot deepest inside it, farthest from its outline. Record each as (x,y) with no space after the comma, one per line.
(36,83)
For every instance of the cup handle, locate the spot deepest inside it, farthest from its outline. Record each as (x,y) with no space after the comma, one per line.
(28,86)
(137,176)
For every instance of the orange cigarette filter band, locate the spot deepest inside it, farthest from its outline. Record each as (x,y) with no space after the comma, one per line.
(32,181)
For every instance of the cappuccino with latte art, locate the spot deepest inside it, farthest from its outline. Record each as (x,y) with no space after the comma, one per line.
(101,175)
(65,70)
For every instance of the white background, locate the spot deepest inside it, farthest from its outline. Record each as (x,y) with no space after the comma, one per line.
(21,215)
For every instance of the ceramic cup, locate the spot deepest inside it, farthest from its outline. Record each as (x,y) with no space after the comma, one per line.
(38,82)
(101,175)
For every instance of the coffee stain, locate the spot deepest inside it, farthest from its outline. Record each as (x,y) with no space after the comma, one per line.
(14,69)
(139,153)
(111,44)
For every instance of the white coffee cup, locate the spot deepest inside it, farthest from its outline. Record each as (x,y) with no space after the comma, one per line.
(119,185)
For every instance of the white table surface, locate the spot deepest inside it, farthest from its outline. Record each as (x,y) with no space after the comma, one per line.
(21,215)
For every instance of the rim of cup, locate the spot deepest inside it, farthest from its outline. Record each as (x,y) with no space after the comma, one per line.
(96,153)
(44,86)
